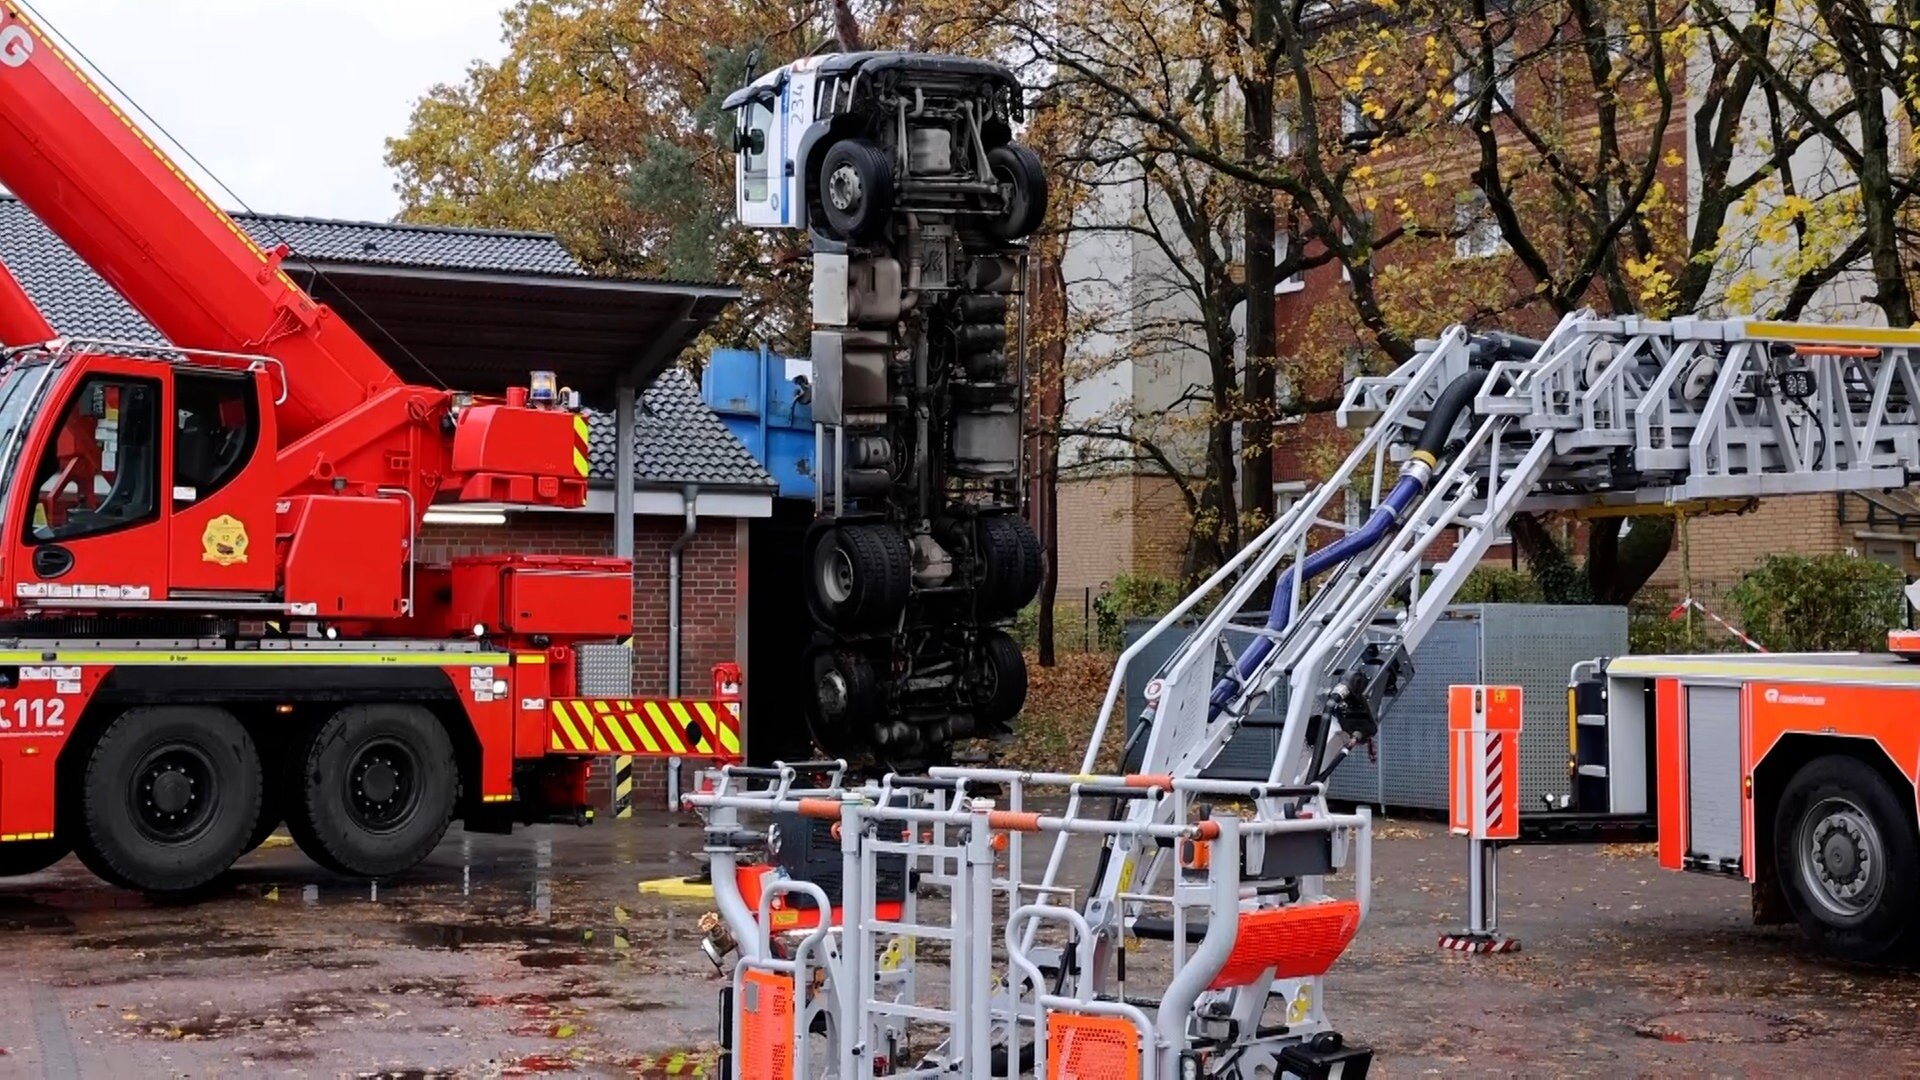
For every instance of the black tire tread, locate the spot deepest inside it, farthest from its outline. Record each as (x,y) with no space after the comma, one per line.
(1011,565)
(1001,655)
(1028,207)
(306,817)
(882,572)
(876,176)
(1888,933)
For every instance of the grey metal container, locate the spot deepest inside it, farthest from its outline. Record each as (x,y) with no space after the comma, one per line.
(1531,646)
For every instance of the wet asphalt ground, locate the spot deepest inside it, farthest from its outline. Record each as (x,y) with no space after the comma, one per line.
(536,954)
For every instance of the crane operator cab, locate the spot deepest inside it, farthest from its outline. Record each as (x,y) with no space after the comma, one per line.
(144,481)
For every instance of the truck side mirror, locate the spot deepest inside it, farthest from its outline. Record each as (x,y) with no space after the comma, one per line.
(749,142)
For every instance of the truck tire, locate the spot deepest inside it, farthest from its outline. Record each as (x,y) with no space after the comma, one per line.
(376,790)
(18,858)
(168,796)
(1023,180)
(855,189)
(1001,690)
(1010,565)
(844,698)
(858,576)
(1844,848)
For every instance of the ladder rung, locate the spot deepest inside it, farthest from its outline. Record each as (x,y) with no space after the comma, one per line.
(911,1012)
(933,933)
(1592,770)
(1590,720)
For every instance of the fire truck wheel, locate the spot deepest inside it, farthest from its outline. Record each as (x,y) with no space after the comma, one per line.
(1010,565)
(858,576)
(1002,687)
(19,858)
(856,189)
(1023,180)
(376,792)
(1844,849)
(168,798)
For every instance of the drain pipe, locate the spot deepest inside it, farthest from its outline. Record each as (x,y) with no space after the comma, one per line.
(689,501)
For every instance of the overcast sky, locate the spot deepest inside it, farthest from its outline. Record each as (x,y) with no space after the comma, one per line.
(288,101)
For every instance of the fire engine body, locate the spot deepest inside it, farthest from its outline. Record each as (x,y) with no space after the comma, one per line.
(211,613)
(1796,772)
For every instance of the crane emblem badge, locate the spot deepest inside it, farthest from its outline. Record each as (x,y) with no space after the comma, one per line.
(16,45)
(224,542)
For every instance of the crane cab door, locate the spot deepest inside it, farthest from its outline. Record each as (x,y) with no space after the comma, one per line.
(90,520)
(143,484)
(220,483)
(761,189)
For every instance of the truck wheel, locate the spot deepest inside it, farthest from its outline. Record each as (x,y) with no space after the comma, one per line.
(18,858)
(168,797)
(1023,184)
(844,700)
(856,189)
(1844,849)
(858,576)
(1010,565)
(1002,687)
(377,786)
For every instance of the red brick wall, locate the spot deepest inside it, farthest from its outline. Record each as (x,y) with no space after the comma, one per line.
(713,595)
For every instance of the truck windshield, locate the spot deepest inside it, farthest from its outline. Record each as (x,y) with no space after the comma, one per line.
(20,388)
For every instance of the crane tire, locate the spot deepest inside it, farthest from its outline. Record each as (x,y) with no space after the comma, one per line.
(168,796)
(858,576)
(1845,853)
(1023,182)
(18,858)
(1010,565)
(375,791)
(855,189)
(1001,689)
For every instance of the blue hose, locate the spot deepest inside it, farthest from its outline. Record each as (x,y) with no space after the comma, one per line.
(1452,402)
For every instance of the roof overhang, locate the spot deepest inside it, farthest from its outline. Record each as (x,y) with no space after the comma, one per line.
(483,331)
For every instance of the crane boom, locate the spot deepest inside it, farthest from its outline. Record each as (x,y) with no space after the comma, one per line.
(100,183)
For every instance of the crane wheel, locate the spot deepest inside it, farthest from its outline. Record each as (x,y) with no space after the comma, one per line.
(376,790)
(18,858)
(1001,689)
(1023,186)
(855,189)
(1844,848)
(168,798)
(1010,565)
(858,576)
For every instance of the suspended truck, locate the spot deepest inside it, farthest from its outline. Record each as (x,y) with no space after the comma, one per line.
(905,556)
(1220,897)
(212,613)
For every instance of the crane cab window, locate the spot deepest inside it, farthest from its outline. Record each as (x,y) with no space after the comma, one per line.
(215,428)
(101,470)
(756,144)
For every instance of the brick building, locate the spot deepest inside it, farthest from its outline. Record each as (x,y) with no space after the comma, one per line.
(440,303)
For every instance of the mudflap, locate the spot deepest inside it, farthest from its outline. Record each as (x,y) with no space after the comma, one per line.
(1326,1056)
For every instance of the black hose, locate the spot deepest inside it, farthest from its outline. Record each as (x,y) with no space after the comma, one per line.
(1453,402)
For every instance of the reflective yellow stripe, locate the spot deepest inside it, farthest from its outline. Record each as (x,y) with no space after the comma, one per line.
(646,736)
(619,732)
(574,741)
(581,431)
(531,658)
(581,463)
(593,729)
(257,658)
(1821,333)
(701,735)
(729,738)
(1891,672)
(677,727)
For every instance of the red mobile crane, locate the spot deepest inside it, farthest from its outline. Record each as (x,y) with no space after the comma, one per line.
(211,617)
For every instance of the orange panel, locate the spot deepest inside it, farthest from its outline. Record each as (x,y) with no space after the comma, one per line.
(766,1026)
(1082,1047)
(1670,749)
(1884,714)
(1296,942)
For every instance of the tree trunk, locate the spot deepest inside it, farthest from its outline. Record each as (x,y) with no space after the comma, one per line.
(1047,385)
(1256,425)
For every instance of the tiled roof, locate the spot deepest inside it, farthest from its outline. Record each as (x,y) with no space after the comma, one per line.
(427,246)
(678,440)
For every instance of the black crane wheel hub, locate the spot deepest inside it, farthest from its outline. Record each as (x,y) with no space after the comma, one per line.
(174,794)
(383,785)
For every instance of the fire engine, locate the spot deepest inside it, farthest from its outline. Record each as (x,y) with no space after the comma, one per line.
(212,617)
(1176,925)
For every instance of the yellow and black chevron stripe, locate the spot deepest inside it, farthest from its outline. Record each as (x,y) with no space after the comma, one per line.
(582,440)
(645,728)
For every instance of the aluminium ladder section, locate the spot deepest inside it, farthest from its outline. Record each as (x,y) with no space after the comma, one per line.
(950,842)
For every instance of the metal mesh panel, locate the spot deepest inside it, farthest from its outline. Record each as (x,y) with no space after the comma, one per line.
(1533,646)
(604,670)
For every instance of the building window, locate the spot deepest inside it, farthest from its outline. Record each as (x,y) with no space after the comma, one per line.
(1286,399)
(1346,242)
(1470,83)
(1477,234)
(1354,121)
(1286,133)
(1286,493)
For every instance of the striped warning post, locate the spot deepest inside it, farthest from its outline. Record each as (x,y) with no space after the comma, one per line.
(623,765)
(1496,783)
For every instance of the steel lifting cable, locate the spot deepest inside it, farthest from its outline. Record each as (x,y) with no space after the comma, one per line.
(256,216)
